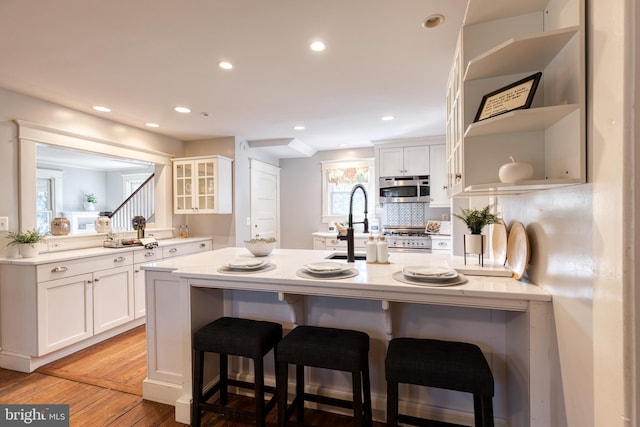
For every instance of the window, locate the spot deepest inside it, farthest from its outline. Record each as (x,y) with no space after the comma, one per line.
(338,180)
(48,198)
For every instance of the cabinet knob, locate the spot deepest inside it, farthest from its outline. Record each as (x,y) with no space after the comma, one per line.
(203,245)
(97,279)
(458,175)
(444,187)
(59,269)
(120,259)
(88,282)
(136,270)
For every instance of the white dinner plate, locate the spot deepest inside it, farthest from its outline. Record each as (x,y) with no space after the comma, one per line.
(430,271)
(326,268)
(245,264)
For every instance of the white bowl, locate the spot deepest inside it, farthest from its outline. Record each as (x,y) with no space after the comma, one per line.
(260,247)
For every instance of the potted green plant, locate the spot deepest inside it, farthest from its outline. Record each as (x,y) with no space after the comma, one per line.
(476,220)
(90,201)
(27,242)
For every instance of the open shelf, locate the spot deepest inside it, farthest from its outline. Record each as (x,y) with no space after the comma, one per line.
(501,188)
(529,53)
(521,120)
(478,12)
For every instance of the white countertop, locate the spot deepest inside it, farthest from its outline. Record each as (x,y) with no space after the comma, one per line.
(374,281)
(46,257)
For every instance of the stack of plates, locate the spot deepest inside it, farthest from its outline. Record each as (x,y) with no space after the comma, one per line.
(432,275)
(246,264)
(327,268)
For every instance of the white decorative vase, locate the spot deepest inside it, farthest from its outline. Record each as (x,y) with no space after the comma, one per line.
(28,251)
(474,243)
(89,206)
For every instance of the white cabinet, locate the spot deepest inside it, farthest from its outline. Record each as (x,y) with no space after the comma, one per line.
(399,161)
(438,177)
(64,316)
(52,308)
(441,244)
(202,185)
(113,298)
(335,244)
(499,44)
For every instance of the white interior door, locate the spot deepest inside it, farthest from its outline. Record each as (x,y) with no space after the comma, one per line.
(265,200)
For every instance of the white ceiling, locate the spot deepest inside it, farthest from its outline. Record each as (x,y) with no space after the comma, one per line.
(142,58)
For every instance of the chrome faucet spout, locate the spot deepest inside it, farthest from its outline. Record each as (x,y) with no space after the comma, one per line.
(350,233)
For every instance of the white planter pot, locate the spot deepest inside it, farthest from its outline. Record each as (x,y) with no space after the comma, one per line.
(474,244)
(89,206)
(28,251)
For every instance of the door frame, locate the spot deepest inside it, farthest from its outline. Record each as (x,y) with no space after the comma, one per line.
(257,165)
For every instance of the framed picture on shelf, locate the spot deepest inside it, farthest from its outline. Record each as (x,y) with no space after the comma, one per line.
(518,95)
(433,227)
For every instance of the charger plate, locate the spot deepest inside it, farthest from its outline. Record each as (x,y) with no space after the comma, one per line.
(499,238)
(518,250)
(261,269)
(342,274)
(400,277)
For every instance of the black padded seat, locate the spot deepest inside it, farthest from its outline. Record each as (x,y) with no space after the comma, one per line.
(442,364)
(236,337)
(328,348)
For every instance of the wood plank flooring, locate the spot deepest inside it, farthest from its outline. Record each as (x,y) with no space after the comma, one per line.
(103,386)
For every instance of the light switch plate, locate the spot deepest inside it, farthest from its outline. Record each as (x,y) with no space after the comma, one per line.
(4,223)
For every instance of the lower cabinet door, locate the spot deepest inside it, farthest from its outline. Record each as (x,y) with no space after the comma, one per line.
(65,312)
(138,289)
(113,298)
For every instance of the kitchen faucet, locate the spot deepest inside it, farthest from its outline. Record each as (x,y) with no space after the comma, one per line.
(349,236)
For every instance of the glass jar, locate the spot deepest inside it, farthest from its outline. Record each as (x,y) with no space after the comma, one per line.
(183,231)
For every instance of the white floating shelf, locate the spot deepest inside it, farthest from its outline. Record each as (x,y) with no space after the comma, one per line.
(529,53)
(527,120)
(496,188)
(484,11)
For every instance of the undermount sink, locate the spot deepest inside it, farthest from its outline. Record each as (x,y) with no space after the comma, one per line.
(343,255)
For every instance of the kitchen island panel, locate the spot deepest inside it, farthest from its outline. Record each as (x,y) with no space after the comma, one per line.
(493,312)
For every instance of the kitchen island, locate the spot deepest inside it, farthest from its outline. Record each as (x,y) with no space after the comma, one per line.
(508,319)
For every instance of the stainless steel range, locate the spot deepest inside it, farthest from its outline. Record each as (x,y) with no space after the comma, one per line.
(407,239)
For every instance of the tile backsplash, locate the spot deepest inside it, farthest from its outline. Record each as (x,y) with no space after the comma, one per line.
(411,214)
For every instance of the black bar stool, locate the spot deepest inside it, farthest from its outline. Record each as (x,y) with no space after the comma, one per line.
(237,337)
(441,364)
(329,348)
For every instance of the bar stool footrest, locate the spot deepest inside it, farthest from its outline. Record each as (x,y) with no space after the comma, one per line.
(421,422)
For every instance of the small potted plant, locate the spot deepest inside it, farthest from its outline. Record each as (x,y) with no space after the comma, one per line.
(475,221)
(90,201)
(28,242)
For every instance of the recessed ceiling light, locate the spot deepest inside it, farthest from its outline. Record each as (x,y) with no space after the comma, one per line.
(387,118)
(433,21)
(225,65)
(102,109)
(318,46)
(182,110)
(152,125)
(299,127)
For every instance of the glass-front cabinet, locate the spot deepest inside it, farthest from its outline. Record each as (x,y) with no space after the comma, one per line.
(202,185)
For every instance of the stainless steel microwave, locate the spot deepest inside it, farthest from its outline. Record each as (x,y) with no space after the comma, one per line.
(404,189)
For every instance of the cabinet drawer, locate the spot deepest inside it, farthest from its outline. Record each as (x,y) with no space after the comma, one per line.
(59,270)
(185,249)
(440,243)
(147,255)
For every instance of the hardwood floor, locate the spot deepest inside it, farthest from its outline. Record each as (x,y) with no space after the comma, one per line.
(103,387)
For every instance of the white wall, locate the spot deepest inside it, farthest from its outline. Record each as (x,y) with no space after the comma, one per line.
(301,195)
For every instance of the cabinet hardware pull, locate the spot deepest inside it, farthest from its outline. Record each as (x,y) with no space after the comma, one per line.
(149,254)
(442,244)
(89,282)
(59,269)
(173,250)
(97,279)
(458,175)
(119,259)
(136,271)
(202,245)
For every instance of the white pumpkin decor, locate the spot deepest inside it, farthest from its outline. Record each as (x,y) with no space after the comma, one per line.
(514,171)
